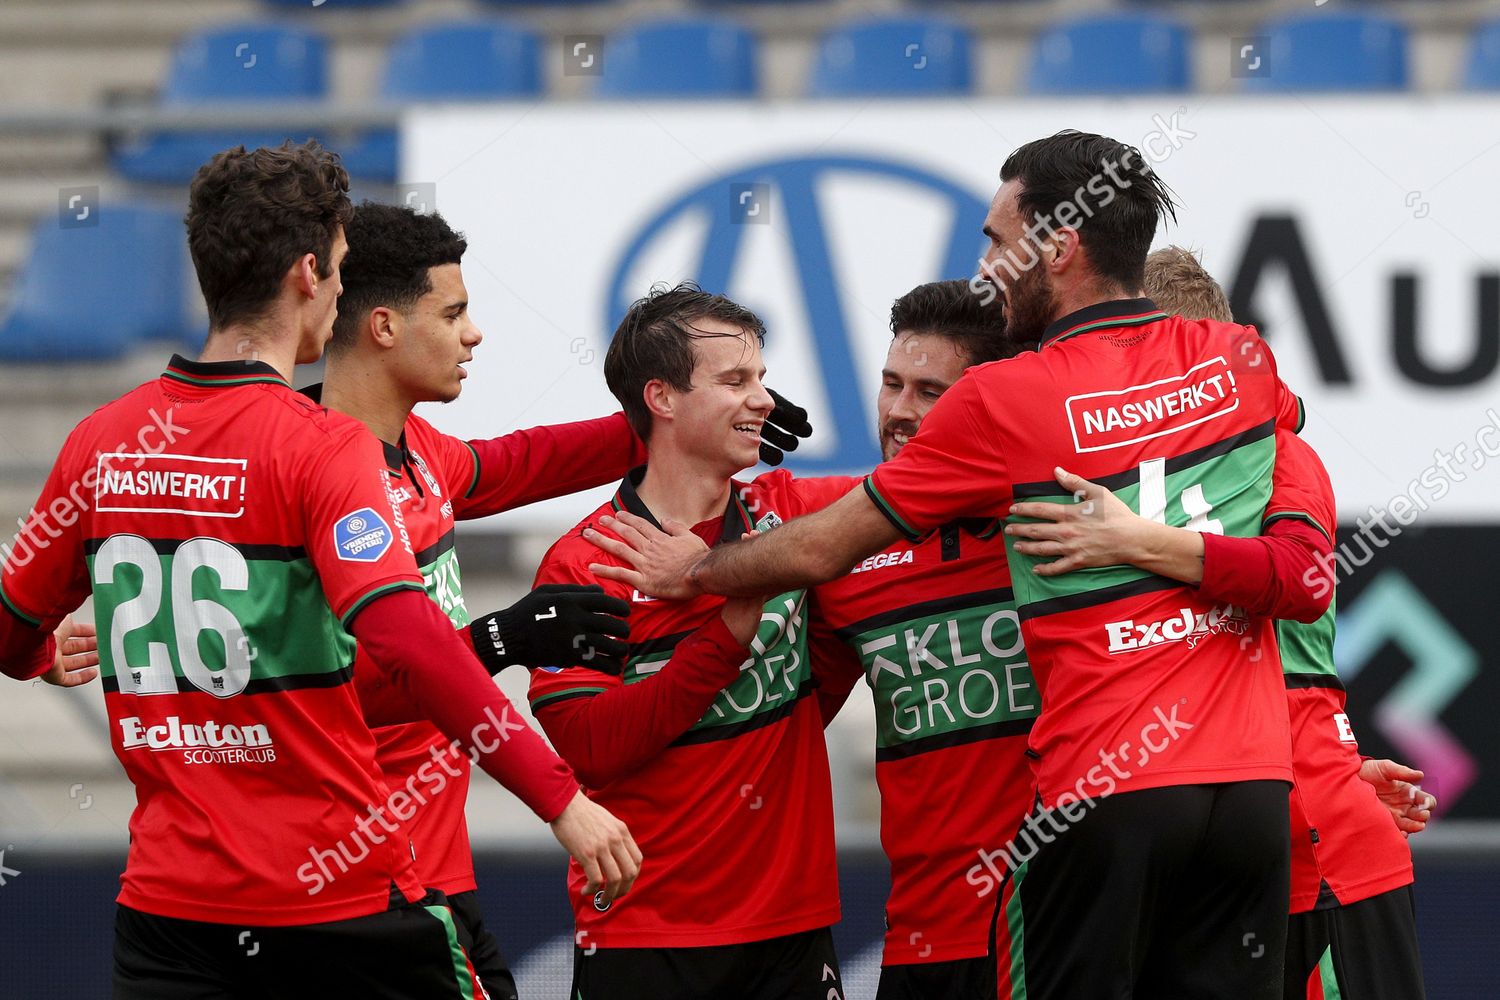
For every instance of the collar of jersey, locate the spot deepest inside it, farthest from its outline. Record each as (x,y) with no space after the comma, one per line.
(395,454)
(1102,316)
(737,519)
(221,374)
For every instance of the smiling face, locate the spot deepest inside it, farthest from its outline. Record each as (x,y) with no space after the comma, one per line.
(1017,264)
(437,338)
(919,368)
(718,421)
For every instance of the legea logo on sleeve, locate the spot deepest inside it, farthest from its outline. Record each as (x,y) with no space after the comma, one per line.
(362,536)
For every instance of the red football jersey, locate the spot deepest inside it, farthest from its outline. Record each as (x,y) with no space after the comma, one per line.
(1345,847)
(436,479)
(735,817)
(229,528)
(932,627)
(1144,683)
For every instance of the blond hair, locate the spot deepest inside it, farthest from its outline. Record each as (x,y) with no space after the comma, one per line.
(1177,282)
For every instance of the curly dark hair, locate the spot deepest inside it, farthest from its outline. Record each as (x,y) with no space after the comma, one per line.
(1128,200)
(252,214)
(951,309)
(655,341)
(391,252)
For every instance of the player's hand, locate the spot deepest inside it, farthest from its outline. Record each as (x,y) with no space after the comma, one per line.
(1397,787)
(1098,530)
(601,844)
(742,617)
(556,625)
(783,429)
(77,659)
(661,559)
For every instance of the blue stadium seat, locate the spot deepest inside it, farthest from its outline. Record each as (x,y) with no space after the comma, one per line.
(89,293)
(1333,52)
(1483,72)
(254,63)
(1111,54)
(680,57)
(464,60)
(452,61)
(894,57)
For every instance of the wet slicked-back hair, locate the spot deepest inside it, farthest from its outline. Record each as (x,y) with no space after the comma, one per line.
(1179,284)
(655,341)
(391,251)
(253,214)
(976,324)
(1115,231)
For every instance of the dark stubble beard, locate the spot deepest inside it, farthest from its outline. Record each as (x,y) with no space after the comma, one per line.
(1030,304)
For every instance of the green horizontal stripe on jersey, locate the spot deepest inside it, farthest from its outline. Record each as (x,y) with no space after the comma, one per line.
(288,627)
(1307,649)
(938,606)
(778,672)
(939,671)
(5,598)
(1052,489)
(956,738)
(1236,482)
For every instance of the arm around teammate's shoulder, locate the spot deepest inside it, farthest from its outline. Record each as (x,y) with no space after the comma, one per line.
(540,463)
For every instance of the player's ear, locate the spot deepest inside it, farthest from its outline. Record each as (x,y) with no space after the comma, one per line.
(383,326)
(1067,248)
(303,275)
(659,398)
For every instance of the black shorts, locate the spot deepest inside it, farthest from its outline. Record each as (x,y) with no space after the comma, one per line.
(408,952)
(480,945)
(1177,892)
(1359,951)
(961,979)
(795,967)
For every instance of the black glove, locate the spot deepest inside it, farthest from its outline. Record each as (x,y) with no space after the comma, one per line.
(783,427)
(556,625)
